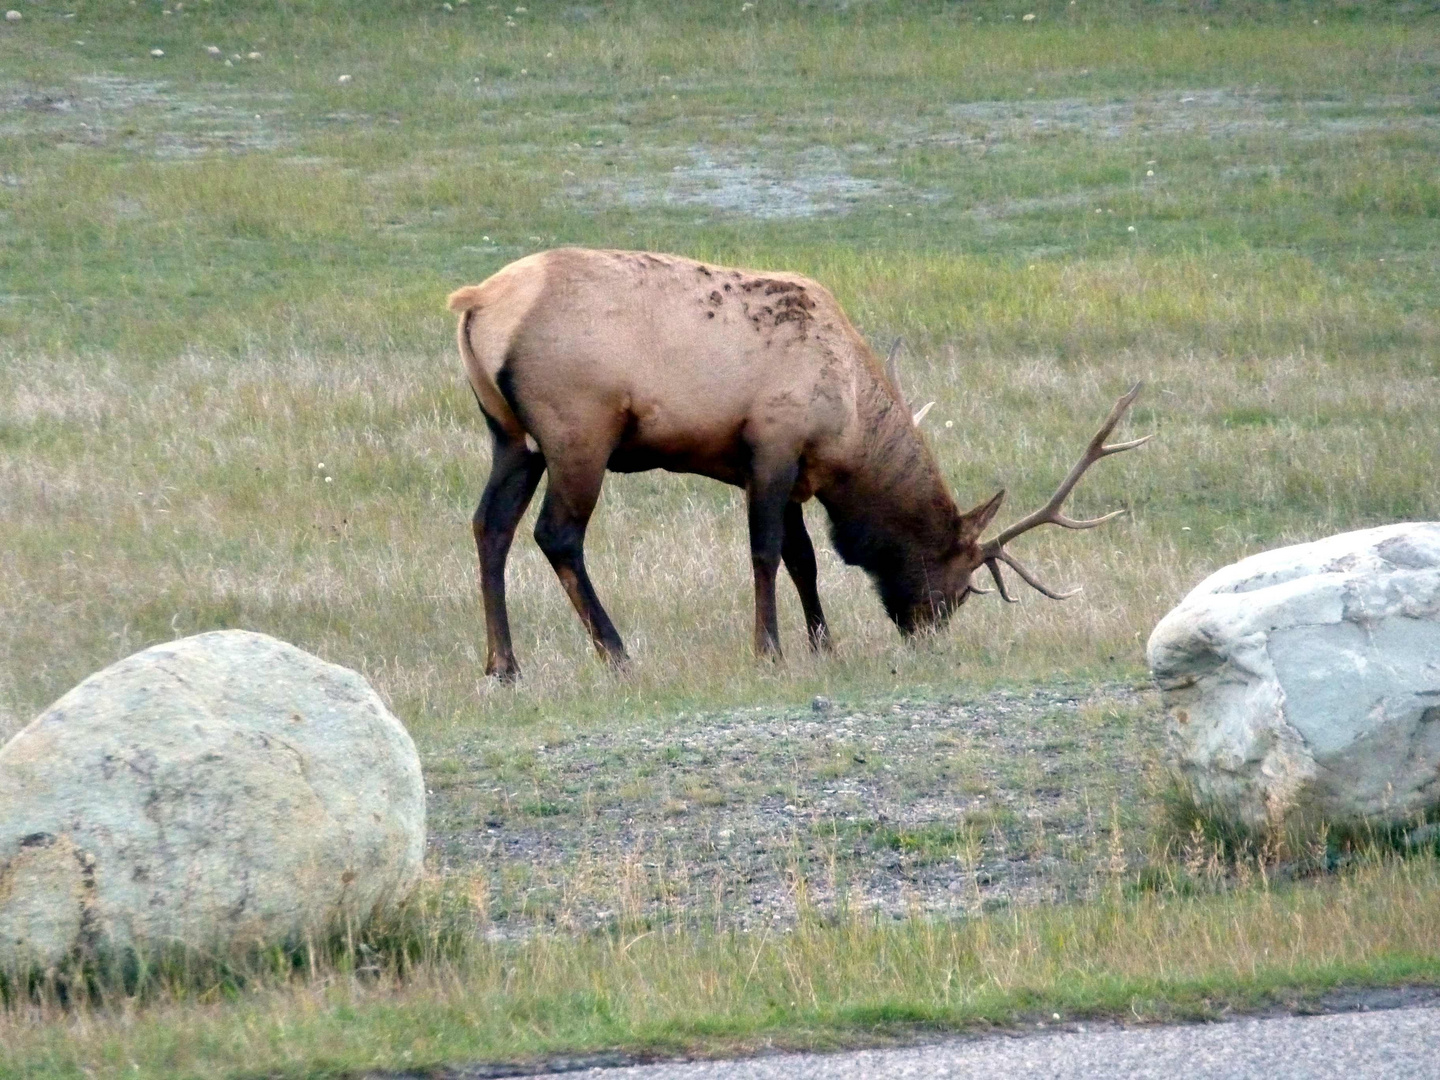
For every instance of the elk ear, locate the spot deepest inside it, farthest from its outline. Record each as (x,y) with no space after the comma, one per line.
(974,522)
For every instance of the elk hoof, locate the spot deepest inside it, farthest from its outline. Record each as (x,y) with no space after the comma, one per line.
(505,672)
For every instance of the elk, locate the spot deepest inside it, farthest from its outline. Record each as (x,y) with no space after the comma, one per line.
(583,361)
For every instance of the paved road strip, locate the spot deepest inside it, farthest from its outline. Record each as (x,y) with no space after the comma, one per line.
(1396,1044)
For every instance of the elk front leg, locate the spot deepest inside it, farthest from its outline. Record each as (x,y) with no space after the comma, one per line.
(799,556)
(768,494)
(560,531)
(514,473)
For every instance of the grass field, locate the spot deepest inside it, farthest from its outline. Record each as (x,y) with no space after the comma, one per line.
(229,397)
(660,991)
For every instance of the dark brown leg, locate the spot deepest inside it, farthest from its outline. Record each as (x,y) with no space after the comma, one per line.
(560,532)
(768,493)
(514,473)
(799,556)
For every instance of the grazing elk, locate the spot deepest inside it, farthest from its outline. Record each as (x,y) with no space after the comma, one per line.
(584,361)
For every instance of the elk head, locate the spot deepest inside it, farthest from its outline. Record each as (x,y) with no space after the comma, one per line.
(951,583)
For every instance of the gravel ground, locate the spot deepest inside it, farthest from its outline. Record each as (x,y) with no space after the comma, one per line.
(946,805)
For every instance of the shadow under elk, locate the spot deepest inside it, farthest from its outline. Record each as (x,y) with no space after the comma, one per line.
(584,361)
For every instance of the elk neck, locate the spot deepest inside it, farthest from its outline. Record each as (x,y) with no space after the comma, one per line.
(891,513)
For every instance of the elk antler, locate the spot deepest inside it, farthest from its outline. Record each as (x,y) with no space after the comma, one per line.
(892,370)
(993,551)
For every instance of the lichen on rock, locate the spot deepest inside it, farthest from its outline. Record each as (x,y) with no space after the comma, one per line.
(223,789)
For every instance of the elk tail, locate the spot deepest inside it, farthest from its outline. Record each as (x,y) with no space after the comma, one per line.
(466,299)
(465,302)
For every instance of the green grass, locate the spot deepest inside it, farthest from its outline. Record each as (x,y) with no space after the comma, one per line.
(215,278)
(1166,955)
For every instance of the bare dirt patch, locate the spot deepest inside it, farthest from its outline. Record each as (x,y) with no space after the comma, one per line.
(102,109)
(1212,112)
(762,184)
(817,183)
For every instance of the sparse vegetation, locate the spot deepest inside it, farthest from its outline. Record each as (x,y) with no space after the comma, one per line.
(1189,948)
(228,397)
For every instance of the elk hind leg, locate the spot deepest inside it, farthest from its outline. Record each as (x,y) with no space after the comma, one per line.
(799,557)
(570,499)
(514,473)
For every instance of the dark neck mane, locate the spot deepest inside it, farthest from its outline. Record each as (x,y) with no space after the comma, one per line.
(892,515)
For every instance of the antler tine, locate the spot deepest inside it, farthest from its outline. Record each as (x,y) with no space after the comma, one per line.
(1116,448)
(1050,514)
(994,568)
(892,372)
(892,369)
(1089,523)
(1031,580)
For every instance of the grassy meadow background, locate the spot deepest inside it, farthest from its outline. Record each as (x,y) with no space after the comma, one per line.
(229,395)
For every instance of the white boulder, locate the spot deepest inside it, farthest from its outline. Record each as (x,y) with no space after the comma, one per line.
(1308,678)
(220,790)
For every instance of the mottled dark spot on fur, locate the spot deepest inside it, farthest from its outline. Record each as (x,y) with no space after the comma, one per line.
(727,286)
(794,307)
(716,298)
(703,271)
(771,287)
(709,314)
(37,839)
(791,305)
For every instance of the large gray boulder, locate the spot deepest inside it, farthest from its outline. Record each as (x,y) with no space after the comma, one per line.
(1308,678)
(220,790)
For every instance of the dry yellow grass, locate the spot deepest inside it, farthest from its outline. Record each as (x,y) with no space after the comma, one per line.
(207,476)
